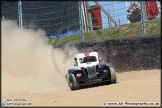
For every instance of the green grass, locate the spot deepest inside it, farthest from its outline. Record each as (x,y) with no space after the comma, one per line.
(153,27)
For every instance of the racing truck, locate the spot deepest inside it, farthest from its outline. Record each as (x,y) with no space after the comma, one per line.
(89,71)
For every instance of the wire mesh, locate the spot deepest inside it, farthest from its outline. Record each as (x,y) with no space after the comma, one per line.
(102,19)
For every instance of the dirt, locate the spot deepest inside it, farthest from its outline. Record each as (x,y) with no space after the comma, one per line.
(135,86)
(34,71)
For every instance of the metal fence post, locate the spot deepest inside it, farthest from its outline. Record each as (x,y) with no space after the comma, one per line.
(81,21)
(20,14)
(143,18)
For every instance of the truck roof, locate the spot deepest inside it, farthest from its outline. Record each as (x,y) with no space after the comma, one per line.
(85,54)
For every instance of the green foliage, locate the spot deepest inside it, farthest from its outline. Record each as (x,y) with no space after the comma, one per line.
(153,27)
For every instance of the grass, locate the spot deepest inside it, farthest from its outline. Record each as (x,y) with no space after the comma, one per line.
(153,27)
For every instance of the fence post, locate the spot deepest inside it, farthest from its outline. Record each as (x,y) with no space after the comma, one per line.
(143,18)
(81,21)
(20,14)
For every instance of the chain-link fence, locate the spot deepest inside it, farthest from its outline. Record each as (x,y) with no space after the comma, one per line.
(78,21)
(55,17)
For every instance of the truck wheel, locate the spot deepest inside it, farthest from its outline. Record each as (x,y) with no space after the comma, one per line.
(67,77)
(73,83)
(113,75)
(68,74)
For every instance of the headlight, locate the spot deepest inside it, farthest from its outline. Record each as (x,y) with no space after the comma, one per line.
(78,75)
(104,70)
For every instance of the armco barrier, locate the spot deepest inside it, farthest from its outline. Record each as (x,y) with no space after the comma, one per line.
(127,54)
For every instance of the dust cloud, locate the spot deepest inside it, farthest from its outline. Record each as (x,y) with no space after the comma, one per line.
(28,62)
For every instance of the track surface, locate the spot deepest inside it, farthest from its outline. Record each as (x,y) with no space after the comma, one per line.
(135,86)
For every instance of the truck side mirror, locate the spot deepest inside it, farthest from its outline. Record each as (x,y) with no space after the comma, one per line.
(100,59)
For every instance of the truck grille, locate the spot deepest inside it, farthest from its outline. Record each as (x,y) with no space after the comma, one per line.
(92,73)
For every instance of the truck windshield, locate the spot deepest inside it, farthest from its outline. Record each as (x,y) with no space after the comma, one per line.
(89,59)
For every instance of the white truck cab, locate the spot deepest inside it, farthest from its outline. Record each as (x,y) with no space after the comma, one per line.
(86,59)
